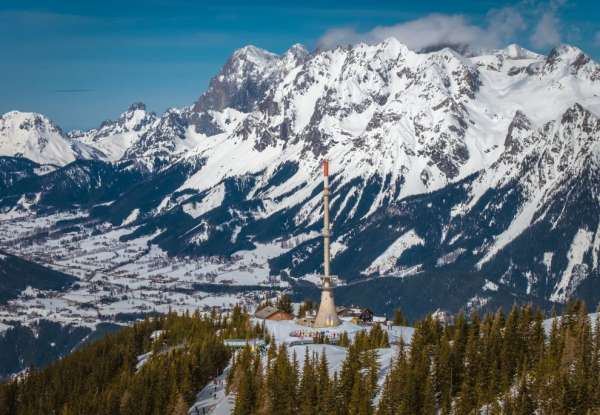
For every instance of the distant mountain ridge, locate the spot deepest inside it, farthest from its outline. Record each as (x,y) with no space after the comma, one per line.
(485,165)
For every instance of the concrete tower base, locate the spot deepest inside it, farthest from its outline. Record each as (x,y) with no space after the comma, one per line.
(327,315)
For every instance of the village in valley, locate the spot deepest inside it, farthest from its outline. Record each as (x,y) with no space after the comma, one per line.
(120,281)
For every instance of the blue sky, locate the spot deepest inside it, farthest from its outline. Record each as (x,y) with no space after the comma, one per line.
(81,62)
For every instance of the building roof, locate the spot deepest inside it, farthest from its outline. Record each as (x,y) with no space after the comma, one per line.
(265,312)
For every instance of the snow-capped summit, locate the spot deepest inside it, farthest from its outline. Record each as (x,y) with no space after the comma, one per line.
(568,60)
(252,54)
(514,51)
(165,140)
(242,82)
(247,76)
(114,138)
(37,138)
(296,55)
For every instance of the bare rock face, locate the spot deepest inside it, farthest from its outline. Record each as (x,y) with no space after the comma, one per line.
(159,142)
(246,77)
(520,126)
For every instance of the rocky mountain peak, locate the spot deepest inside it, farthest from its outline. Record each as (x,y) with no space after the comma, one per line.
(574,113)
(563,53)
(137,106)
(297,54)
(241,83)
(570,60)
(29,121)
(136,117)
(581,130)
(36,137)
(252,55)
(519,127)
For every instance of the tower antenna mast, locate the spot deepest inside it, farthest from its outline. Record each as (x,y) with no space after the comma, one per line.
(326,233)
(327,315)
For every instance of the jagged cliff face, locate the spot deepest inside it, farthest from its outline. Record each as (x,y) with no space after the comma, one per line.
(485,165)
(247,76)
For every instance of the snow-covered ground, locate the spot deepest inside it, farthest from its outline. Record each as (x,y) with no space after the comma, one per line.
(290,331)
(3,328)
(213,400)
(122,277)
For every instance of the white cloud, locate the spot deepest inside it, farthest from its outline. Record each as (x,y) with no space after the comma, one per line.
(417,34)
(546,32)
(535,20)
(506,23)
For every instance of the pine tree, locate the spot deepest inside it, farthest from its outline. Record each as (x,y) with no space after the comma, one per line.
(510,348)
(180,407)
(459,344)
(387,403)
(350,367)
(245,402)
(399,319)
(284,303)
(523,403)
(595,369)
(306,306)
(429,400)
(308,386)
(325,394)
(344,340)
(371,364)
(443,370)
(358,399)
(469,392)
(582,363)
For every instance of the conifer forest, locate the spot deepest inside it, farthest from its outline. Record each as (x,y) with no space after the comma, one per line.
(497,363)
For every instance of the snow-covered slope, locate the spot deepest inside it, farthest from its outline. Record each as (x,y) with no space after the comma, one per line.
(35,137)
(114,138)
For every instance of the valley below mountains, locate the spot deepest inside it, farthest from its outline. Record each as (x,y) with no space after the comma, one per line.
(458,182)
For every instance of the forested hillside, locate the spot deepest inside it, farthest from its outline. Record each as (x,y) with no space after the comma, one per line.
(492,364)
(515,363)
(16,274)
(108,377)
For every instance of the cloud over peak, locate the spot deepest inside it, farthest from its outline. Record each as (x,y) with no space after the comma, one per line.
(428,31)
(531,19)
(546,31)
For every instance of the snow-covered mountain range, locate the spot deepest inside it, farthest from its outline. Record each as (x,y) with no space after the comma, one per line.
(485,167)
